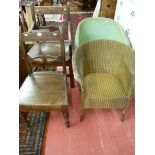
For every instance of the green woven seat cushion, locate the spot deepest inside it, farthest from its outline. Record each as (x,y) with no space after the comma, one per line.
(103,85)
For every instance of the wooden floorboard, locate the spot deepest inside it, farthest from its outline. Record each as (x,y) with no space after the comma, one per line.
(100,133)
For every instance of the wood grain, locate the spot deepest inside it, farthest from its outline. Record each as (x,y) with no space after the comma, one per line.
(108,8)
(43,92)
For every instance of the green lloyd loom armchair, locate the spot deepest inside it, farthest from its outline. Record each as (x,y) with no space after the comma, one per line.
(100,28)
(104,70)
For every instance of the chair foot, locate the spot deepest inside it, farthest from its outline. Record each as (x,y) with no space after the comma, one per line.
(81,118)
(81,115)
(66,117)
(67,124)
(123,114)
(72,82)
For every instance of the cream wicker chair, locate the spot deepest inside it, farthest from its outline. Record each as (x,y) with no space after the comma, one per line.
(104,70)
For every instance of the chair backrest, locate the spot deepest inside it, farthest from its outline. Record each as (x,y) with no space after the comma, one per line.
(103,56)
(42,37)
(100,28)
(22,21)
(39,13)
(31,22)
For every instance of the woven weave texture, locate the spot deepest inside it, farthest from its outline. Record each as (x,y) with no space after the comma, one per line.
(105,72)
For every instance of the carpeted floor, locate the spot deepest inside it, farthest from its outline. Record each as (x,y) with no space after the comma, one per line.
(100,133)
(31,138)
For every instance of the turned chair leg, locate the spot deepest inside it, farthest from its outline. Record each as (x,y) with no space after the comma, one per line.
(123,114)
(66,116)
(71,71)
(81,114)
(71,75)
(70,67)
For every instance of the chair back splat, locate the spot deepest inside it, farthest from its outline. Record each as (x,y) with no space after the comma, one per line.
(35,58)
(45,16)
(49,18)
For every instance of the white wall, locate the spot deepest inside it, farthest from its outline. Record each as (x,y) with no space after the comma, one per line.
(125,15)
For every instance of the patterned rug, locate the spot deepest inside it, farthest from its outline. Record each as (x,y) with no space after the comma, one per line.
(31,138)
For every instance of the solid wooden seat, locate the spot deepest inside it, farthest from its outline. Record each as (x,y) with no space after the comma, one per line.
(43,91)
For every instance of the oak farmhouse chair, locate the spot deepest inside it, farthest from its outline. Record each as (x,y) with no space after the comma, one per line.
(43,90)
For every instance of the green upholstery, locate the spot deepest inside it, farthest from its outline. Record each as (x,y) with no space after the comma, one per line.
(100,28)
(105,72)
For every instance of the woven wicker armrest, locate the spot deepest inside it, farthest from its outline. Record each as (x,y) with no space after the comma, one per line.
(77,63)
(126,75)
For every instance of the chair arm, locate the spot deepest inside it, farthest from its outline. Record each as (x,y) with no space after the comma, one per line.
(130,62)
(126,76)
(77,63)
(130,92)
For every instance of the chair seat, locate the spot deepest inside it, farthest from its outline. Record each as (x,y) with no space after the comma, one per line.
(101,87)
(43,91)
(48,49)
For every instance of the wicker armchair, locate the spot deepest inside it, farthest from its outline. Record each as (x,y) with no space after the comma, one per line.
(100,28)
(104,70)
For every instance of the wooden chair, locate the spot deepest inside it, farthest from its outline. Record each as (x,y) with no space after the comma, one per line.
(44,90)
(38,14)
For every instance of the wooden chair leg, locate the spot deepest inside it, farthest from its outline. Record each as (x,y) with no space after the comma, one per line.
(71,75)
(70,67)
(66,116)
(81,114)
(123,114)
